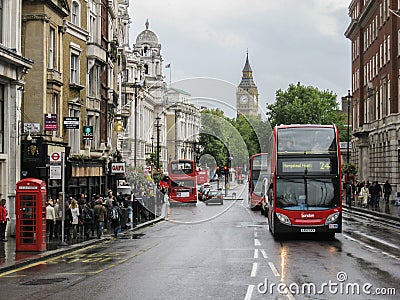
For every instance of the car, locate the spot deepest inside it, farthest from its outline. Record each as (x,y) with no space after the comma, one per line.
(203,191)
(214,197)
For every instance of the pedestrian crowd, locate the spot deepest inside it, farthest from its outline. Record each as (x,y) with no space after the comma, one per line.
(86,217)
(367,194)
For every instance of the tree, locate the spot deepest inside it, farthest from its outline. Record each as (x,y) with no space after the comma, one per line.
(305,105)
(213,133)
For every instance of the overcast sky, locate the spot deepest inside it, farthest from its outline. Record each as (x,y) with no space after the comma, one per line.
(288,41)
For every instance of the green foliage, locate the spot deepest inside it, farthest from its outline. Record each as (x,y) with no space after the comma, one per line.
(349,169)
(238,138)
(305,105)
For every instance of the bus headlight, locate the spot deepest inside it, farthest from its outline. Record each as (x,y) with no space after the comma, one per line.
(283,219)
(332,218)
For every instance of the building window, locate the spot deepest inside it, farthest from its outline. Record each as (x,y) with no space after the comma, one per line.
(388,97)
(146,69)
(74,68)
(1,21)
(380,55)
(74,134)
(2,120)
(92,28)
(51,48)
(75,13)
(388,48)
(94,82)
(54,110)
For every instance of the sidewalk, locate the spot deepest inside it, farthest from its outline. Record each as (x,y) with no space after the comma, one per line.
(389,211)
(10,259)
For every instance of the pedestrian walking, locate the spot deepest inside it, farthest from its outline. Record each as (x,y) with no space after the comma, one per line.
(387,190)
(3,220)
(100,215)
(115,217)
(350,190)
(75,217)
(58,213)
(67,221)
(50,219)
(365,195)
(88,219)
(378,194)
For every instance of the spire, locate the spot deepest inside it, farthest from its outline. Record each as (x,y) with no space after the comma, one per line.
(247,67)
(147,24)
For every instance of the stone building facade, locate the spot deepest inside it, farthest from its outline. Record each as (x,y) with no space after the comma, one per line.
(374,32)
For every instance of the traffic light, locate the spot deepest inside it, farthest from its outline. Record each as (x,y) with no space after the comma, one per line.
(218,171)
(226,170)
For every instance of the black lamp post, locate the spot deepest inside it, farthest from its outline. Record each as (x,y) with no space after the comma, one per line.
(158,118)
(136,86)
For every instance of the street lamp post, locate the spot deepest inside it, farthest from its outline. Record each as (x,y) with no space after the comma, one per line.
(158,118)
(135,129)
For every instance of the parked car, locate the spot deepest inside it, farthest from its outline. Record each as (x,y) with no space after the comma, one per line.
(214,197)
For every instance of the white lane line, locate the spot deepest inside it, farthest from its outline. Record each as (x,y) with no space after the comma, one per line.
(255,233)
(274,270)
(249,292)
(257,242)
(288,294)
(376,239)
(264,253)
(254,270)
(255,253)
(372,248)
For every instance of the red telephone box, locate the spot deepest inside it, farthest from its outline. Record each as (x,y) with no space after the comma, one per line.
(30,207)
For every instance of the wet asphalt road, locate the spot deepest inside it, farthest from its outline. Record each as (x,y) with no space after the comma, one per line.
(219,252)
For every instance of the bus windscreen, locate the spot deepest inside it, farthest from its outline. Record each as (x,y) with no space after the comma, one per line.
(306,140)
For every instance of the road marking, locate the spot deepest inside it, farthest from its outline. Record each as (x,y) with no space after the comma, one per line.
(264,253)
(257,242)
(22,268)
(370,247)
(376,239)
(254,270)
(249,292)
(288,294)
(255,233)
(274,270)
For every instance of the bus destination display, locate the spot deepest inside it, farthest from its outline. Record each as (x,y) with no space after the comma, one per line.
(309,166)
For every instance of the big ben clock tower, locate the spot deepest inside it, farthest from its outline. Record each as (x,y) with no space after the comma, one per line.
(247,92)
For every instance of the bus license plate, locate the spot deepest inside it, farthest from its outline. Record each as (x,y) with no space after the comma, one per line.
(307,230)
(183,194)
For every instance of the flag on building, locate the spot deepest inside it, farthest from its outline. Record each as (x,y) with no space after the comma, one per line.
(168,66)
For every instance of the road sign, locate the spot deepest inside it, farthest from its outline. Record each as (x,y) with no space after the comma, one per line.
(55,158)
(55,172)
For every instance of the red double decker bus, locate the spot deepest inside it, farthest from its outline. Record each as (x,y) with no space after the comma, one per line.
(202,177)
(303,193)
(182,181)
(258,170)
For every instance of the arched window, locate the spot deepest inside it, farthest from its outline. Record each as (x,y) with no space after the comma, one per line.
(146,69)
(76,13)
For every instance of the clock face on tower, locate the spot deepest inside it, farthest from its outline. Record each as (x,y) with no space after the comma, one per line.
(243,99)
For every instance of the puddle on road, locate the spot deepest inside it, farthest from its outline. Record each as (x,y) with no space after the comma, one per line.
(44,281)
